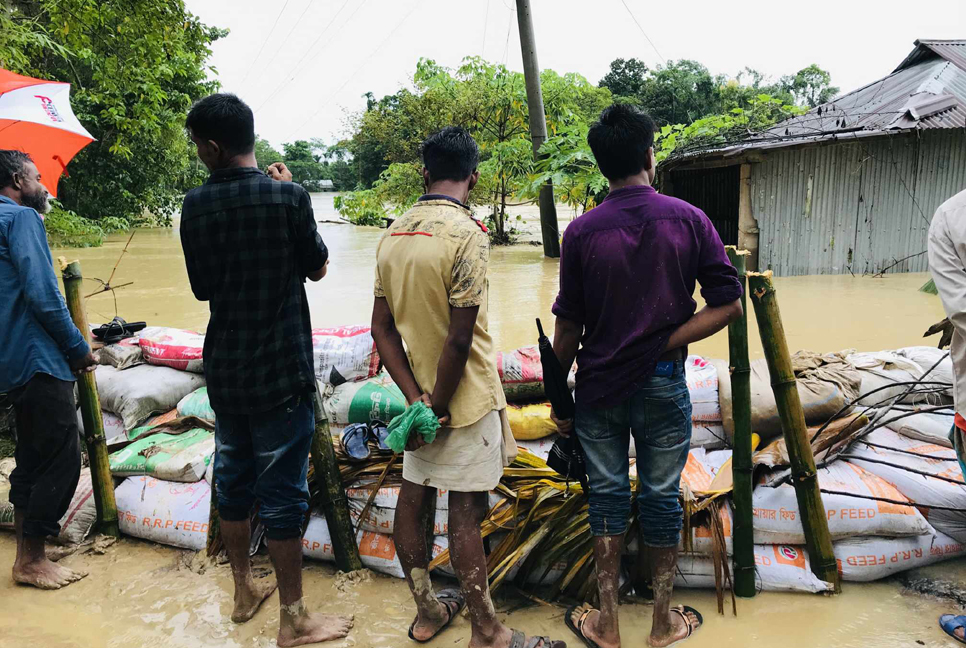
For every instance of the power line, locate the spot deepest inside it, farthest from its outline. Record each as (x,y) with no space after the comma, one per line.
(509,30)
(624,2)
(486,19)
(296,67)
(265,42)
(295,25)
(358,69)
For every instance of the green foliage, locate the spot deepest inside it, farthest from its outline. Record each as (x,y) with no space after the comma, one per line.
(265,153)
(136,68)
(567,162)
(811,86)
(361,207)
(67,229)
(400,186)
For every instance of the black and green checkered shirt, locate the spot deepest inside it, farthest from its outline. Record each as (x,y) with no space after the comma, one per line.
(249,243)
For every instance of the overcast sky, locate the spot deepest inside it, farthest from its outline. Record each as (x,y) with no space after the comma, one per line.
(323,55)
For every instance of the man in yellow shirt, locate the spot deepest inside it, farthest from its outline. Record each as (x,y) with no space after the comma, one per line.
(431,292)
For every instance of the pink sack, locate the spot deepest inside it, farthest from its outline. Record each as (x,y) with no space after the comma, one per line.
(171,347)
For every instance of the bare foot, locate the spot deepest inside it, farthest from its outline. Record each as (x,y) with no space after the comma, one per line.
(298,627)
(679,629)
(589,627)
(248,600)
(45,575)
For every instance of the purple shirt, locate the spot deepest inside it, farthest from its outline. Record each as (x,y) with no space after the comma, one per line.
(627,274)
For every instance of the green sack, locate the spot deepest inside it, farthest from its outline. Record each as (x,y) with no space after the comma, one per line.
(197,404)
(418,418)
(172,457)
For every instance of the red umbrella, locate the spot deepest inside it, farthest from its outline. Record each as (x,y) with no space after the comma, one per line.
(36,118)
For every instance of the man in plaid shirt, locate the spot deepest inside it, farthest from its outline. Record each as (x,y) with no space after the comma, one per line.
(250,242)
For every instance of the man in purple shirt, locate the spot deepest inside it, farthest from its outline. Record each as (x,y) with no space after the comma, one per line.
(627,275)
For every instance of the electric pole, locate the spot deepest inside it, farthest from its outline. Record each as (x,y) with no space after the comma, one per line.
(538,126)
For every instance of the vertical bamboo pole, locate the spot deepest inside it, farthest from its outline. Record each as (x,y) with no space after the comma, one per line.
(741,464)
(804,476)
(335,504)
(90,404)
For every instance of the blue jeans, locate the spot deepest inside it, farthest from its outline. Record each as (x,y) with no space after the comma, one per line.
(266,456)
(659,417)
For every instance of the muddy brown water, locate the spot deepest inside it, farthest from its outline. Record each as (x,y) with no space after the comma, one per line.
(141,595)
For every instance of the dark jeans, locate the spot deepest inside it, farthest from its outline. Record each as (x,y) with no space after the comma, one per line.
(48,453)
(659,417)
(266,456)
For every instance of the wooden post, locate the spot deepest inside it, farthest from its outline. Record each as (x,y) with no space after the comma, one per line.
(335,504)
(804,476)
(747,224)
(90,404)
(538,126)
(741,463)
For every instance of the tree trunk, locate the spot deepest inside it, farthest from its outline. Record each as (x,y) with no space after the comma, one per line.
(744,533)
(335,504)
(804,477)
(90,405)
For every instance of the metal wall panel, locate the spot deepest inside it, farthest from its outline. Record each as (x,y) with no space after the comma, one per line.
(856,207)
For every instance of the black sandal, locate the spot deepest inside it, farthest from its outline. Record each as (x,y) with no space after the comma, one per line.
(446,597)
(578,627)
(519,640)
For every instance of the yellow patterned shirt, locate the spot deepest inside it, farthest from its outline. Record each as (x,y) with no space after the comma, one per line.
(433,259)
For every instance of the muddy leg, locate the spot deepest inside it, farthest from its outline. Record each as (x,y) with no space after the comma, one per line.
(32,567)
(297,626)
(601,626)
(415,512)
(466,511)
(248,595)
(666,628)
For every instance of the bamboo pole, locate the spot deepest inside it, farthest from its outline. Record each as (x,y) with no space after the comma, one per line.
(741,463)
(335,504)
(90,404)
(804,475)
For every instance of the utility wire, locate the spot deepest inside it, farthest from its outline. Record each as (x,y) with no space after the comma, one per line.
(486,20)
(352,76)
(624,2)
(509,30)
(295,25)
(265,42)
(295,68)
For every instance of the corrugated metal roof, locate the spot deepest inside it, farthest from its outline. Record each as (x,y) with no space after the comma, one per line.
(953,51)
(927,91)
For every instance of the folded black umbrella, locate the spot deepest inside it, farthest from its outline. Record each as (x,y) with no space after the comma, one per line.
(566,456)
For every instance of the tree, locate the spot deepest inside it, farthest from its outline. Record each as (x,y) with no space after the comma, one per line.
(265,153)
(626,77)
(680,92)
(811,86)
(136,68)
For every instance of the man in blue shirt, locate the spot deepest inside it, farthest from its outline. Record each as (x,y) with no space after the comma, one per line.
(40,352)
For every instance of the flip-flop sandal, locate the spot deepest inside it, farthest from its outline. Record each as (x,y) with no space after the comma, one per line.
(446,597)
(950,623)
(380,432)
(519,640)
(355,441)
(683,611)
(578,627)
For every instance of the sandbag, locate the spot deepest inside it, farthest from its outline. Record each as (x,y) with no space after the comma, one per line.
(923,490)
(121,355)
(881,369)
(136,393)
(377,550)
(869,559)
(152,423)
(702,378)
(172,457)
(114,431)
(930,427)
(779,568)
(382,520)
(171,347)
(926,357)
(197,404)
(166,512)
(529,422)
(344,354)
(375,399)
(826,384)
(539,447)
(76,523)
(777,519)
(709,435)
(388,496)
(701,541)
(521,374)
(701,468)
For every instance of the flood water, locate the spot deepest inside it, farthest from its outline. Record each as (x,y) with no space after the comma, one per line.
(143,596)
(820,313)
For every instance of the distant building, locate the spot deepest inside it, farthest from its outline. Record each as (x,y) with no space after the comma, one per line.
(326,185)
(849,186)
